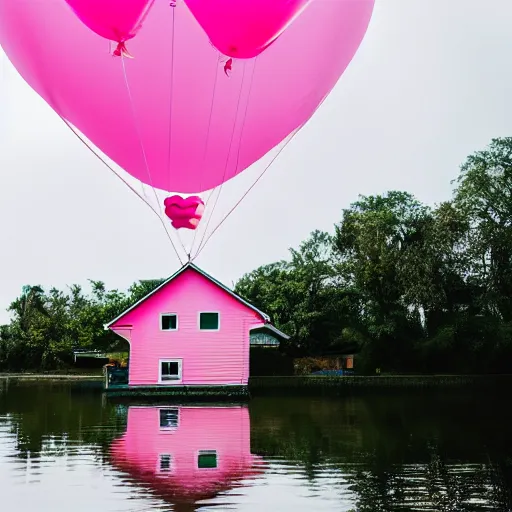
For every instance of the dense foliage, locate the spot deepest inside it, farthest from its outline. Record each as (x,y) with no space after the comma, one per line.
(412,288)
(47,327)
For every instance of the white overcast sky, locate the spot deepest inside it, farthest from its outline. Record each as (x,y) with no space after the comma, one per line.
(430,84)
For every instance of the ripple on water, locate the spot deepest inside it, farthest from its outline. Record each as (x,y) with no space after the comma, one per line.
(80,452)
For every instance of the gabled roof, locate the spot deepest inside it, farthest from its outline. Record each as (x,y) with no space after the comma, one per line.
(187,266)
(266,328)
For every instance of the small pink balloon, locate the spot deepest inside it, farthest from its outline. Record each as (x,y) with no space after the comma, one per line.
(184,212)
(242,29)
(115,20)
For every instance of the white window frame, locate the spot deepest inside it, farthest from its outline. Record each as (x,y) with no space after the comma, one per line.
(169,429)
(207,452)
(168,314)
(180,372)
(159,463)
(199,321)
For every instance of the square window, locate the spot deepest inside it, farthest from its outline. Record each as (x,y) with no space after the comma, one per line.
(165,462)
(209,321)
(169,418)
(207,459)
(170,370)
(168,322)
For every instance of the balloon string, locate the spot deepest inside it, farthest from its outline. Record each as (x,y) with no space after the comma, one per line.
(239,144)
(215,189)
(261,175)
(206,202)
(137,129)
(195,232)
(229,150)
(124,181)
(142,187)
(216,79)
(205,151)
(141,143)
(251,82)
(246,193)
(264,171)
(171,96)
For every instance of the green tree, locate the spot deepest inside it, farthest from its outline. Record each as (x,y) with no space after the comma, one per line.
(374,243)
(305,296)
(415,288)
(484,196)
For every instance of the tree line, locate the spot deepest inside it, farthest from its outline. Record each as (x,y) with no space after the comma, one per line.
(409,287)
(48,326)
(412,288)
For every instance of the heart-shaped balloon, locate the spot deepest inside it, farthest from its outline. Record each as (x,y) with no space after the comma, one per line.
(181,125)
(184,212)
(244,28)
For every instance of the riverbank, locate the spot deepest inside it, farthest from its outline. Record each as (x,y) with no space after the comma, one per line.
(52,376)
(320,384)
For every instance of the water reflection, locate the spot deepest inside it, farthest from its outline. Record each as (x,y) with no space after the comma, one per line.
(393,453)
(187,454)
(64,446)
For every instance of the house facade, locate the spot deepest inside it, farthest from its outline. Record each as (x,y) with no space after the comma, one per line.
(191,330)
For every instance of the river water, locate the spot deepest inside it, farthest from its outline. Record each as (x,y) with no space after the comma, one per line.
(67,447)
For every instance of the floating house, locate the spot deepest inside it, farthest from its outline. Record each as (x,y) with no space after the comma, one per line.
(187,454)
(190,335)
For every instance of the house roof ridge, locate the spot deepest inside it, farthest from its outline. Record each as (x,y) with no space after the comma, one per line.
(194,267)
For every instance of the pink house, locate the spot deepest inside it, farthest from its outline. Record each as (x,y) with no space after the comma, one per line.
(186,454)
(191,331)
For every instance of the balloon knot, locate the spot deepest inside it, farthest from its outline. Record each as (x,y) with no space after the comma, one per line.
(228,67)
(172,3)
(121,51)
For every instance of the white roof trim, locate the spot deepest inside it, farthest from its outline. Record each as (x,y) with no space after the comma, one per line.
(270,327)
(204,274)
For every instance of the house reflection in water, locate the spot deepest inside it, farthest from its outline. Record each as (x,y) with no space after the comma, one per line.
(187,454)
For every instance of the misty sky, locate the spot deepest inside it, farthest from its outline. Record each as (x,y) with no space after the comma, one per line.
(431,83)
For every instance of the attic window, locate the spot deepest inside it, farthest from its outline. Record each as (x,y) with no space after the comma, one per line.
(209,321)
(169,322)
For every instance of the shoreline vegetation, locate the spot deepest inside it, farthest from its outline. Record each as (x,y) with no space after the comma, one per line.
(310,385)
(51,376)
(411,289)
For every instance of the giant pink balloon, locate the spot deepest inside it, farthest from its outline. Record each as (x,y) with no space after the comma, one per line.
(216,126)
(244,28)
(116,20)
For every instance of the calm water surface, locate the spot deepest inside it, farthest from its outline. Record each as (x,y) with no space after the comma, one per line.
(68,448)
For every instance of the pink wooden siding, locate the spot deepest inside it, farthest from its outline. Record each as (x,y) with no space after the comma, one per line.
(214,357)
(225,430)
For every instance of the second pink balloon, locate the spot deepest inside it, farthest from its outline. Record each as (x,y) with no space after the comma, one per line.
(244,28)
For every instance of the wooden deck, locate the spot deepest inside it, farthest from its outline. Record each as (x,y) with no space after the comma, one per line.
(116,384)
(217,393)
